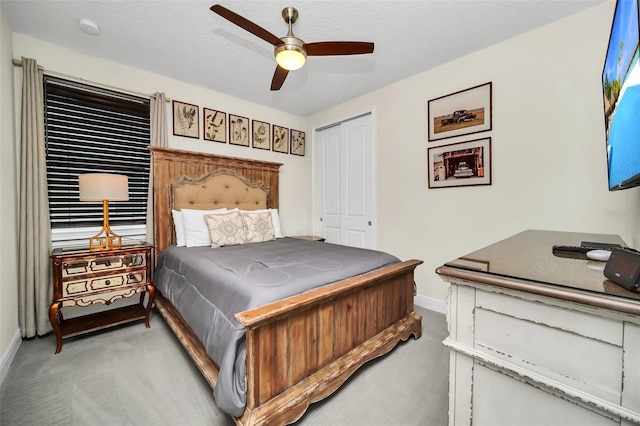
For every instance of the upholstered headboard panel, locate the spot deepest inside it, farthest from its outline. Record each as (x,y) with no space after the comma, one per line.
(184,179)
(220,188)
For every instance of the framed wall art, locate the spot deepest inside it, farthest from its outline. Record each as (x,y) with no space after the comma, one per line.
(280,139)
(214,125)
(460,164)
(261,134)
(297,142)
(461,113)
(186,120)
(238,130)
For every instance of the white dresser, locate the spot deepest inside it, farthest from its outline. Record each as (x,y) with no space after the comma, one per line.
(537,339)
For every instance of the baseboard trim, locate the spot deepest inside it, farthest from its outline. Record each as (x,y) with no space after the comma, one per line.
(9,355)
(430,303)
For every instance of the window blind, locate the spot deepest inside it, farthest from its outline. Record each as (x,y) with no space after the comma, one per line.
(94,130)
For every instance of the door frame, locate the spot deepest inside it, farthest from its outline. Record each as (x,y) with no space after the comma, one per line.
(374,169)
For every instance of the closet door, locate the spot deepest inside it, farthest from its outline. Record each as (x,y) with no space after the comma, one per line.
(344,184)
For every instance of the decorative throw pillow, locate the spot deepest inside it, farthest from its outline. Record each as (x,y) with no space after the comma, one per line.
(259,227)
(275,217)
(226,229)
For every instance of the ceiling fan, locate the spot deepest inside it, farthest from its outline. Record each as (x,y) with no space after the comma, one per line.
(290,51)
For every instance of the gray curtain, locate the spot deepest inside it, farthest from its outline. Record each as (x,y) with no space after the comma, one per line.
(159,138)
(34,242)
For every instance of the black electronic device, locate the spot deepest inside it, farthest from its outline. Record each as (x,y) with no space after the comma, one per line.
(599,246)
(623,268)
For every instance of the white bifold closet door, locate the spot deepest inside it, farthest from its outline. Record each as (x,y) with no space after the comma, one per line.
(344,182)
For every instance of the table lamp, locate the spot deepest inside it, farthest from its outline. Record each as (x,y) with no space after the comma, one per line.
(104,187)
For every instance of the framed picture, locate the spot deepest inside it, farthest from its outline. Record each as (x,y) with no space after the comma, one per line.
(261,134)
(460,164)
(280,139)
(238,130)
(460,113)
(214,125)
(297,142)
(185,120)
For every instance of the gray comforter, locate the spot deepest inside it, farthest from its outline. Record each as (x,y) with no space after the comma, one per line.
(209,285)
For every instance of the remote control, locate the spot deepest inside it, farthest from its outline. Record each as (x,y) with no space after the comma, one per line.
(574,252)
(574,249)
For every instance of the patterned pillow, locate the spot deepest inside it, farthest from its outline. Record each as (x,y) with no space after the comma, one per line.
(226,229)
(259,227)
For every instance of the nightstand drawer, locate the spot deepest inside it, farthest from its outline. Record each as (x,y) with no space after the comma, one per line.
(104,298)
(102,264)
(75,288)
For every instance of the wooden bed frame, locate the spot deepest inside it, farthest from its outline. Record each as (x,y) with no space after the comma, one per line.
(302,348)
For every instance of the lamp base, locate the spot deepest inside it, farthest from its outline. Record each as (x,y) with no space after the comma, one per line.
(106,239)
(105,242)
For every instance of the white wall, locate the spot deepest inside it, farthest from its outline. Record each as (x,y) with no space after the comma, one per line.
(549,168)
(295,174)
(8,193)
(548,149)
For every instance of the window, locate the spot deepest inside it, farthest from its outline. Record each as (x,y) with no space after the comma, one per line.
(94,130)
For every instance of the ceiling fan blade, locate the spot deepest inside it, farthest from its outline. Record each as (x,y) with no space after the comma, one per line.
(246,24)
(278,78)
(327,48)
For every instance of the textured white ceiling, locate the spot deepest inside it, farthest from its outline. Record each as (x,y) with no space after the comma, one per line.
(184,40)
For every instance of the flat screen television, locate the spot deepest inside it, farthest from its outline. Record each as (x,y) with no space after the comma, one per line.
(621,94)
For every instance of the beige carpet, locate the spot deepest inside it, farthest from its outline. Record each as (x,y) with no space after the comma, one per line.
(137,376)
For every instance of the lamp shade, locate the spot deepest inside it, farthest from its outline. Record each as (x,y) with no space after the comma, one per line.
(103,186)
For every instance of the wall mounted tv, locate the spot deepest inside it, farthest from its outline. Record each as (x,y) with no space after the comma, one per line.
(621,93)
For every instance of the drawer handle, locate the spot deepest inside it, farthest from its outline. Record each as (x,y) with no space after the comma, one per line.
(107,263)
(107,282)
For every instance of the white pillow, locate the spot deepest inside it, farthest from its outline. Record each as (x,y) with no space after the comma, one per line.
(196,232)
(275,217)
(226,229)
(258,226)
(179,228)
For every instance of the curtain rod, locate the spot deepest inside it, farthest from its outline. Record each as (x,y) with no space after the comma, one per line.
(18,63)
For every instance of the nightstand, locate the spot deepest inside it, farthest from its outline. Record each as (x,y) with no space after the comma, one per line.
(83,278)
(308,237)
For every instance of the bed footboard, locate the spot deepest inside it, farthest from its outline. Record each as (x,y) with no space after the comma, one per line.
(301,349)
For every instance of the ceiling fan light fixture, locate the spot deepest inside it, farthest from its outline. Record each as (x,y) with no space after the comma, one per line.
(291,52)
(291,59)
(291,55)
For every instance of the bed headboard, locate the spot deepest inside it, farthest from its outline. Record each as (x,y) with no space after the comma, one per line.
(184,179)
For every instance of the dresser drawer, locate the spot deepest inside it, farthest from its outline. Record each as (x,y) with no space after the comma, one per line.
(78,287)
(78,267)
(578,350)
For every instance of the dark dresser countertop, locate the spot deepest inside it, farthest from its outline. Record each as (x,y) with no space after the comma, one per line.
(525,262)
